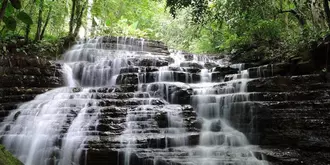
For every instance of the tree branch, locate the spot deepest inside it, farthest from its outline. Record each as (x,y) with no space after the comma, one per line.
(79,19)
(327,11)
(3,9)
(296,14)
(72,17)
(46,23)
(39,26)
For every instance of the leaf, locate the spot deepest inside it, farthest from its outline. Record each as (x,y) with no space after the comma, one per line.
(94,21)
(10,23)
(108,22)
(9,10)
(135,24)
(24,17)
(16,4)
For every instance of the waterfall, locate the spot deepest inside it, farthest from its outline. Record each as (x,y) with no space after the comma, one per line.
(219,142)
(128,96)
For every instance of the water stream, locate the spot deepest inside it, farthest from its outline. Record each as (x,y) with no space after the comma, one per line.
(57,126)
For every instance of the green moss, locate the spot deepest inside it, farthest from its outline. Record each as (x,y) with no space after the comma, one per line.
(6,158)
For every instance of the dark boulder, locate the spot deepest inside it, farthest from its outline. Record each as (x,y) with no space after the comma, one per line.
(210,65)
(191,65)
(225,70)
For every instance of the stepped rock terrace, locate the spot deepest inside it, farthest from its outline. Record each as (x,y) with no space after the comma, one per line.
(131,102)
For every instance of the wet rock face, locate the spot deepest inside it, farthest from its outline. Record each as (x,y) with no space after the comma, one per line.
(133,44)
(188,57)
(291,118)
(24,77)
(219,73)
(282,69)
(286,112)
(172,93)
(156,112)
(225,70)
(150,62)
(129,78)
(288,83)
(107,149)
(191,64)
(210,65)
(129,70)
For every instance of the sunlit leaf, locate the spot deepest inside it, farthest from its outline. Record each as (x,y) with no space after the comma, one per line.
(135,24)
(108,22)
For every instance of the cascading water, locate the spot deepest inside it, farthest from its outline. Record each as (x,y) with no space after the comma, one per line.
(33,130)
(128,94)
(219,142)
(54,127)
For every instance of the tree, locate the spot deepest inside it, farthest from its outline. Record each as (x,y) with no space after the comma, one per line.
(77,13)
(3,8)
(39,26)
(195,25)
(46,23)
(327,11)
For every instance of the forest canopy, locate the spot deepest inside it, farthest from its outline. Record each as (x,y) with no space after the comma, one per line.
(202,26)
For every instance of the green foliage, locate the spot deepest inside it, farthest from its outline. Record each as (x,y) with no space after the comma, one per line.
(123,28)
(24,17)
(202,26)
(10,23)
(198,7)
(10,18)
(137,18)
(276,26)
(7,158)
(266,30)
(16,4)
(9,10)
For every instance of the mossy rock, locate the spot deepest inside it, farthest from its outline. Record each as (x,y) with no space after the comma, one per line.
(6,158)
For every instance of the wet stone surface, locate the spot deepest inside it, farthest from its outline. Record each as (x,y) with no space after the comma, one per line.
(23,78)
(129,102)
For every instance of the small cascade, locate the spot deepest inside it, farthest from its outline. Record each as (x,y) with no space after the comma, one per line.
(56,118)
(220,143)
(130,102)
(240,67)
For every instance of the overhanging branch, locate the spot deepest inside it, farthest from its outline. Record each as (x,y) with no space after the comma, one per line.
(296,14)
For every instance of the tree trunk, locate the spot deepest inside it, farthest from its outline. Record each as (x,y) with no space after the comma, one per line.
(79,20)
(71,23)
(3,8)
(28,27)
(46,23)
(27,32)
(327,11)
(38,33)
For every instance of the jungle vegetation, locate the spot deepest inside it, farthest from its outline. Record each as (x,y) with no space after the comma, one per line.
(268,27)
